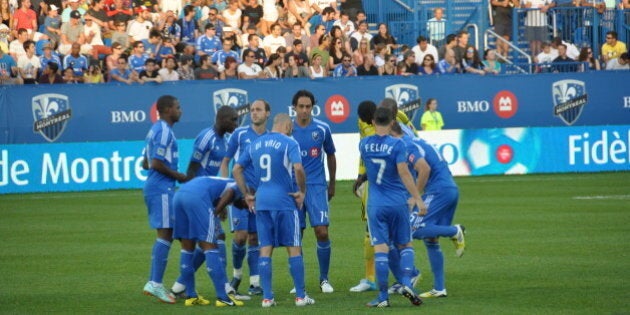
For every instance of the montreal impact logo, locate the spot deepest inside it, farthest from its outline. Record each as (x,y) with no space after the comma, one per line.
(51,113)
(235,98)
(569,98)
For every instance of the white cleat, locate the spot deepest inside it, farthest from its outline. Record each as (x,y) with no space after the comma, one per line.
(306,300)
(363,286)
(326,287)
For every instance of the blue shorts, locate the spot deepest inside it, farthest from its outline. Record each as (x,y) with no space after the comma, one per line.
(278,228)
(242,220)
(316,206)
(160,210)
(389,224)
(440,210)
(195,219)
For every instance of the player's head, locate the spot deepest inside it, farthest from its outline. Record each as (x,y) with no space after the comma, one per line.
(282,123)
(259,112)
(169,108)
(366,111)
(303,102)
(226,119)
(391,104)
(383,117)
(396,130)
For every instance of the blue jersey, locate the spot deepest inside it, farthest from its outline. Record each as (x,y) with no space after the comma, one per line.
(313,139)
(78,64)
(209,188)
(220,56)
(380,155)
(137,62)
(440,176)
(209,150)
(44,62)
(161,144)
(240,140)
(272,156)
(209,45)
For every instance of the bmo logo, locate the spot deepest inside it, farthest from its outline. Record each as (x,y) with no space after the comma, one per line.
(337,108)
(131,116)
(473,106)
(505,104)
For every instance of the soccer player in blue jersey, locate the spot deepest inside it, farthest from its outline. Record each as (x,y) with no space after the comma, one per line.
(199,204)
(440,198)
(243,222)
(315,140)
(388,204)
(208,152)
(274,157)
(160,158)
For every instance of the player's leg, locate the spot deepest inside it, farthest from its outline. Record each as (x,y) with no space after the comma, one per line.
(401,237)
(289,236)
(239,219)
(266,231)
(160,210)
(379,232)
(316,203)
(253,252)
(367,283)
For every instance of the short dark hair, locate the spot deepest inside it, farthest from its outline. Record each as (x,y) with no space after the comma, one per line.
(450,38)
(383,116)
(303,93)
(150,60)
(53,66)
(421,39)
(366,111)
(165,102)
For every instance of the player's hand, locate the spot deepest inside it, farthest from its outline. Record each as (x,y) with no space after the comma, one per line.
(251,201)
(356,185)
(331,190)
(422,207)
(299,198)
(182,178)
(221,213)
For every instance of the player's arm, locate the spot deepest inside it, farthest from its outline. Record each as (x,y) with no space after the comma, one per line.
(193,167)
(331,161)
(407,180)
(226,199)
(223,171)
(159,166)
(300,179)
(237,172)
(423,169)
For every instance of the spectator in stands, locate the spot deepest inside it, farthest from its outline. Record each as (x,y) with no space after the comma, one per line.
(449,65)
(449,43)
(314,39)
(218,58)
(249,69)
(76,61)
(215,18)
(502,19)
(5,34)
(253,46)
(462,45)
(138,57)
(209,42)
(49,56)
(367,67)
(300,11)
(620,63)
(337,33)
(352,8)
(170,29)
(98,15)
(326,18)
(389,67)
(230,72)
(273,67)
(6,14)
(428,66)
(72,5)
(384,37)
(336,52)
(28,64)
(422,49)
(139,28)
(471,63)
(345,24)
(111,61)
(380,53)
(270,16)
(25,18)
(297,33)
(8,70)
(317,68)
(169,71)
(189,28)
(322,50)
(436,27)
(301,58)
(586,55)
(563,63)
(186,68)
(547,55)
(320,5)
(409,59)
(536,26)
(490,63)
(572,50)
(119,35)
(253,11)
(52,24)
(229,33)
(206,70)
(72,33)
(50,75)
(154,44)
(93,74)
(69,77)
(92,33)
(345,68)
(119,13)
(361,17)
(274,40)
(232,15)
(16,47)
(294,69)
(122,73)
(363,52)
(612,48)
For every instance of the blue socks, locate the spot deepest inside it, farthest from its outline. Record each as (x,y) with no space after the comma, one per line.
(394,263)
(187,272)
(159,258)
(431,231)
(436,259)
(222,252)
(216,272)
(253,252)
(296,267)
(407,256)
(323,256)
(264,268)
(238,255)
(381,264)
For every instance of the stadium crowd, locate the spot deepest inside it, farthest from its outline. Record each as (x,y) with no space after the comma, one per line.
(139,41)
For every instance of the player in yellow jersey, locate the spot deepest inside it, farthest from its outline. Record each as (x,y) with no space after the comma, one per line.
(366,111)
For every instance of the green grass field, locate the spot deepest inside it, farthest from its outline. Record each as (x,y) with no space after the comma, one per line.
(537,244)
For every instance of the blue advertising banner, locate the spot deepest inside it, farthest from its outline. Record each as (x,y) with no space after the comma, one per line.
(112,112)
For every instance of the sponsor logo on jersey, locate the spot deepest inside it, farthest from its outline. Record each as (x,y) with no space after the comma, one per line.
(569,98)
(51,113)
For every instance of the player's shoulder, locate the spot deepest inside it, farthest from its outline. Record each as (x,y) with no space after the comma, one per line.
(320,123)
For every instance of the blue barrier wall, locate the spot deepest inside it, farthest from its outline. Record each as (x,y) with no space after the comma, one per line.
(110,112)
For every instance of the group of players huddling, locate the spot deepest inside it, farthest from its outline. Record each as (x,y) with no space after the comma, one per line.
(278,179)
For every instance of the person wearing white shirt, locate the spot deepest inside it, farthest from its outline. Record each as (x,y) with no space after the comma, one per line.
(28,64)
(345,24)
(274,40)
(422,49)
(249,69)
(436,27)
(168,73)
(360,34)
(140,27)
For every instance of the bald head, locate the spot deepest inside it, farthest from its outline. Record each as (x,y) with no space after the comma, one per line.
(282,123)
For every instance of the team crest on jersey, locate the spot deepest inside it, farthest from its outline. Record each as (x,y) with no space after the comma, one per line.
(407,97)
(236,98)
(569,98)
(411,158)
(51,113)
(315,135)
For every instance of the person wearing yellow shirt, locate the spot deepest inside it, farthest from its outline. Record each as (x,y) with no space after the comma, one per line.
(612,48)
(431,119)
